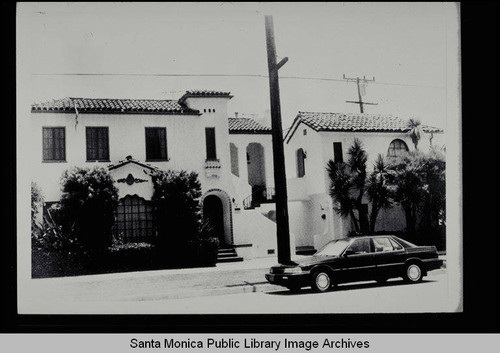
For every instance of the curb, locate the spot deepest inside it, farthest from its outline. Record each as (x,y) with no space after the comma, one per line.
(234,289)
(230,289)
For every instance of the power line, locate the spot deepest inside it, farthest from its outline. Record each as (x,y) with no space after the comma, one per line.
(229,75)
(360,99)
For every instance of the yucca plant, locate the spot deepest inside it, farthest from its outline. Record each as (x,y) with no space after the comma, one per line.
(346,178)
(378,191)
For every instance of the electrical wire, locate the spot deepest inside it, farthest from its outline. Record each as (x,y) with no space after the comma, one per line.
(230,75)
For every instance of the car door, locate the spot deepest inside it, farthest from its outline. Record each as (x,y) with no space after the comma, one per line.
(357,261)
(388,256)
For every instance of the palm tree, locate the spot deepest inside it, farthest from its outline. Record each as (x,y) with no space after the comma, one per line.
(357,163)
(340,190)
(378,191)
(416,131)
(405,179)
(345,177)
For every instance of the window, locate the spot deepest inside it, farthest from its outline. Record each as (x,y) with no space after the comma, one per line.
(360,246)
(54,144)
(382,245)
(156,144)
(97,144)
(385,244)
(304,132)
(301,165)
(337,152)
(210,140)
(395,245)
(134,220)
(233,150)
(397,148)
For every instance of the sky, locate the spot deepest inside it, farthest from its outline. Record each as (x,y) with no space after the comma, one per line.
(160,50)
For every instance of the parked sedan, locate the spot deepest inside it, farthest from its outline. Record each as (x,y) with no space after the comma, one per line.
(355,259)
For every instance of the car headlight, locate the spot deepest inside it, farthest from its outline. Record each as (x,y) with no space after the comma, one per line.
(292,270)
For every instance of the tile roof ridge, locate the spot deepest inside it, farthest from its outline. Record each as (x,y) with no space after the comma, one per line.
(125,99)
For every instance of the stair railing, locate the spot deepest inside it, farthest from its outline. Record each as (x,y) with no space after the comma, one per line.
(265,193)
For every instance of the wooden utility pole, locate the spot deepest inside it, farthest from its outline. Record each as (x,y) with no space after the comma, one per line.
(360,102)
(282,226)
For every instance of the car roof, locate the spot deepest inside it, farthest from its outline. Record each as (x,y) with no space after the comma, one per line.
(370,236)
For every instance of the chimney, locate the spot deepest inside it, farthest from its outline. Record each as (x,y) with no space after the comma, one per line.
(235,114)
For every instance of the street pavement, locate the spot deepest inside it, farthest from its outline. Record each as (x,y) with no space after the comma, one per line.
(124,292)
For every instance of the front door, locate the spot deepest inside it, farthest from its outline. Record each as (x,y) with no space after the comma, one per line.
(213,212)
(358,265)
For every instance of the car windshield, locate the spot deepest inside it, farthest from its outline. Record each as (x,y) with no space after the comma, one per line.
(333,248)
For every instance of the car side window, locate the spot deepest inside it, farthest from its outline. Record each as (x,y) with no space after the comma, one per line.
(385,245)
(360,246)
(395,245)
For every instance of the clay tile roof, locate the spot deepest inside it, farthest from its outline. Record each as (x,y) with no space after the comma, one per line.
(204,93)
(357,122)
(106,105)
(247,125)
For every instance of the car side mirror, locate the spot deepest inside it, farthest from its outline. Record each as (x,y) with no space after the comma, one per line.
(349,252)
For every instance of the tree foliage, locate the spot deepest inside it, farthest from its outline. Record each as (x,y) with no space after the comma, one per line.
(177,209)
(36,203)
(378,190)
(87,206)
(418,182)
(347,184)
(416,131)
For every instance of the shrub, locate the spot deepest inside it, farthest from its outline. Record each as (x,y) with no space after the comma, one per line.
(205,246)
(52,237)
(418,182)
(36,203)
(87,206)
(177,212)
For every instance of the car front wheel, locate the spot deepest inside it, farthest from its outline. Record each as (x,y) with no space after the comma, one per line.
(413,273)
(321,281)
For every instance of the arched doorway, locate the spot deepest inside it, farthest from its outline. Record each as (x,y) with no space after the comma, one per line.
(256,169)
(213,211)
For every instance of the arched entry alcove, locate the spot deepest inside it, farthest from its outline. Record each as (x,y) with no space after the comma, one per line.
(256,165)
(216,206)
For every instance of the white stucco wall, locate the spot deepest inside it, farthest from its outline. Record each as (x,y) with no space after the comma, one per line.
(312,181)
(141,189)
(308,196)
(241,141)
(185,142)
(251,227)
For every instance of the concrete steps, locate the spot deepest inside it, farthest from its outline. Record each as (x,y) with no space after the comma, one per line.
(228,255)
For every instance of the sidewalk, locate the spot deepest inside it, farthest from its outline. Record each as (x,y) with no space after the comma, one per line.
(225,278)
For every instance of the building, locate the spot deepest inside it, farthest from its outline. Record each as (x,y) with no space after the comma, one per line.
(233,158)
(314,139)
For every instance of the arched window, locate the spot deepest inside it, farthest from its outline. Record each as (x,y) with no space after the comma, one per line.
(397,148)
(301,165)
(134,219)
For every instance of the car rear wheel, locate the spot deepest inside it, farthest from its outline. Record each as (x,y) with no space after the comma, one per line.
(321,281)
(413,273)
